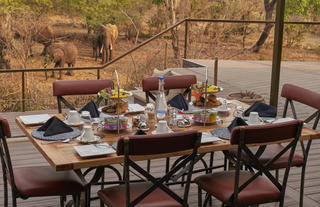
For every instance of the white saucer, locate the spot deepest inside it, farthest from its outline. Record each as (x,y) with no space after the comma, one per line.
(155,132)
(73,124)
(256,124)
(96,138)
(144,129)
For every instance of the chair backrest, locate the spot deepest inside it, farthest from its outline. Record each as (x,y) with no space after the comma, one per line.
(4,153)
(78,87)
(304,96)
(268,134)
(170,82)
(138,145)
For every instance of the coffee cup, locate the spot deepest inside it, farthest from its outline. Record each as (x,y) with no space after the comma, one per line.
(254,118)
(88,135)
(73,117)
(162,127)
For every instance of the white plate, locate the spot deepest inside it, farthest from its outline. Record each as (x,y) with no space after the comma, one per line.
(93,150)
(35,119)
(96,138)
(155,132)
(283,120)
(135,108)
(73,124)
(207,137)
(223,99)
(221,109)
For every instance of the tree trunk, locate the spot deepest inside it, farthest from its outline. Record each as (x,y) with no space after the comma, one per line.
(269,6)
(175,43)
(174,31)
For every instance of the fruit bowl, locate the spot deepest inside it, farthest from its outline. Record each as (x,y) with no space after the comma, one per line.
(200,88)
(107,93)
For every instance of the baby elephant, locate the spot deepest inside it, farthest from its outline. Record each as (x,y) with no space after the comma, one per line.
(61,54)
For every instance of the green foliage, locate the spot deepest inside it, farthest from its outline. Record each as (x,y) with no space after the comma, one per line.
(303,8)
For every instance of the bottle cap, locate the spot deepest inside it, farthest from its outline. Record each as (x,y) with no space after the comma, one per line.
(161,78)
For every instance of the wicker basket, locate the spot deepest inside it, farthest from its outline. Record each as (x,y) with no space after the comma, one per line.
(247,100)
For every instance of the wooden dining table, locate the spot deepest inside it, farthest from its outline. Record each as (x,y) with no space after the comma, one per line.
(62,156)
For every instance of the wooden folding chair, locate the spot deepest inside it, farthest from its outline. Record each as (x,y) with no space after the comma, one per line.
(243,188)
(154,191)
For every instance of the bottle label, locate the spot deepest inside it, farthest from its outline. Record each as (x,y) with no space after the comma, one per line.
(161,111)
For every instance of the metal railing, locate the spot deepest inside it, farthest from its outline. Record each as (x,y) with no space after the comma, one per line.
(104,66)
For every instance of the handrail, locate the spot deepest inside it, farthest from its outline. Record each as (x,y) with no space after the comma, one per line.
(98,68)
(151,39)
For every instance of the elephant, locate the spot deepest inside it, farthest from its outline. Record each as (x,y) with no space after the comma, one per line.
(96,44)
(109,37)
(61,54)
(45,36)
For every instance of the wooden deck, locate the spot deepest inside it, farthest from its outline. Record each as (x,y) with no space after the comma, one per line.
(234,76)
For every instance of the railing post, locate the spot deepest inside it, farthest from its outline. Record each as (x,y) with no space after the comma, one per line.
(98,74)
(277,53)
(166,56)
(23,94)
(215,76)
(186,39)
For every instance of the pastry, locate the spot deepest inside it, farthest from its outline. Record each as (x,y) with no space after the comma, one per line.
(212,98)
(113,108)
(212,101)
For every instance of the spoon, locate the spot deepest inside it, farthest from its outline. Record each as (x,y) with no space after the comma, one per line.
(54,141)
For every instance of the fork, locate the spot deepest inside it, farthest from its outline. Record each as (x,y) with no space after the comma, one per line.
(54,141)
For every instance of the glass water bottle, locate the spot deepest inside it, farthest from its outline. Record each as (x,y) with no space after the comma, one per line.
(161,103)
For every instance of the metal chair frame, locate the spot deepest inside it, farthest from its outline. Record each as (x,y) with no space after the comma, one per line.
(262,169)
(159,182)
(7,169)
(305,149)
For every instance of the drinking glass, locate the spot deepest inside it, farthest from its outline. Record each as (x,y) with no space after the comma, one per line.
(238,111)
(86,117)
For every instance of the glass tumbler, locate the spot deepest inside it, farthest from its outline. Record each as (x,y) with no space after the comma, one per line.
(86,118)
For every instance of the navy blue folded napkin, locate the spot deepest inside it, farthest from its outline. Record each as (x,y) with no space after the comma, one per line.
(264,110)
(224,132)
(54,126)
(237,122)
(92,108)
(140,132)
(179,102)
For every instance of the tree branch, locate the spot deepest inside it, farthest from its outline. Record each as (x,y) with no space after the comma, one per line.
(134,25)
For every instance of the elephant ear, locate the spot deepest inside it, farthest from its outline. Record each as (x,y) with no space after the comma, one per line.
(58,54)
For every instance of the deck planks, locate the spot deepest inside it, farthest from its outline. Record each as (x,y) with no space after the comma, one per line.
(32,157)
